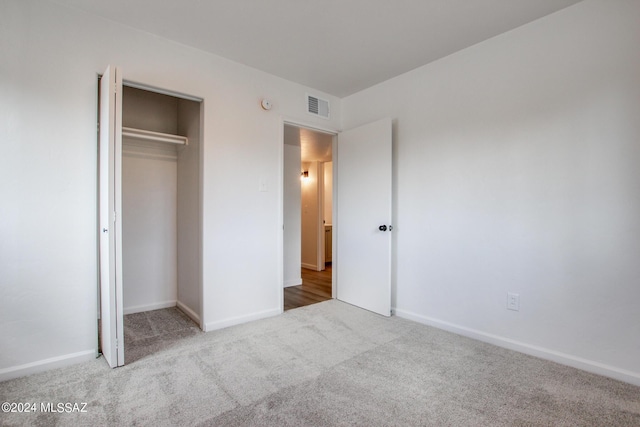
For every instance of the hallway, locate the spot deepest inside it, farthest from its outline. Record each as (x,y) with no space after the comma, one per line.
(316,287)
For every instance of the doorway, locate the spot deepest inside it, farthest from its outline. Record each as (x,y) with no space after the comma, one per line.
(308,213)
(362,201)
(150,173)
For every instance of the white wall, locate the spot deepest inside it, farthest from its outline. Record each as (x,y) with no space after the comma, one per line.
(292,214)
(144,109)
(517,171)
(149,228)
(188,182)
(51,57)
(149,204)
(328,193)
(310,202)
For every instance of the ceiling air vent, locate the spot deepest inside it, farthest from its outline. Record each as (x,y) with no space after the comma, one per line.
(317,107)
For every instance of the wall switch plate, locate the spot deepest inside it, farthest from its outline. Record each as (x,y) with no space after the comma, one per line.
(262,185)
(513,301)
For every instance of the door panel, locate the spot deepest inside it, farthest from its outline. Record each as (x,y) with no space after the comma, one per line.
(110,155)
(364,173)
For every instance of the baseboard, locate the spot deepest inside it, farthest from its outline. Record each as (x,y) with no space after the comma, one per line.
(532,350)
(46,364)
(309,266)
(186,310)
(225,323)
(293,282)
(149,307)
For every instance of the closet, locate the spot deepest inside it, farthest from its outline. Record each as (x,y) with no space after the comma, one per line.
(161,140)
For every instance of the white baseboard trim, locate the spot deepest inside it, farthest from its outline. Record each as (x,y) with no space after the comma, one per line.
(309,266)
(186,310)
(532,350)
(225,323)
(293,282)
(149,307)
(46,364)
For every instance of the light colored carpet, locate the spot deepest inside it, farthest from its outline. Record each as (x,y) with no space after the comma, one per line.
(329,364)
(150,332)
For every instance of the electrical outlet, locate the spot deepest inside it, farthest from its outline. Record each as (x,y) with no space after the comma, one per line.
(513,301)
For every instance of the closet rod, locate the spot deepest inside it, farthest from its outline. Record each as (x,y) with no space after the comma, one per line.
(148,135)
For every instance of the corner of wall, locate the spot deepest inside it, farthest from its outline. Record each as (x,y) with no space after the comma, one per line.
(541,352)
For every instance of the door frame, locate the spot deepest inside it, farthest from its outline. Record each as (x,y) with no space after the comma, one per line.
(334,221)
(129,83)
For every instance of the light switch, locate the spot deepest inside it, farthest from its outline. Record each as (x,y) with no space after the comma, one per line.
(262,185)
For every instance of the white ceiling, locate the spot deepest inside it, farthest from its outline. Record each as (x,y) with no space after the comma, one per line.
(314,145)
(336,46)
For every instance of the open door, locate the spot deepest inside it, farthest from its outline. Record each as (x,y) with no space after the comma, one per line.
(364,174)
(110,153)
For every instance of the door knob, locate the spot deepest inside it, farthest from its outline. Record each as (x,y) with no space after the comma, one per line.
(382,228)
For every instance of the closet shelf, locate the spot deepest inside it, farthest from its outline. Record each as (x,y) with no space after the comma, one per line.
(148,135)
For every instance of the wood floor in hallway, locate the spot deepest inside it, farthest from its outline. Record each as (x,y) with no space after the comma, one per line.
(316,287)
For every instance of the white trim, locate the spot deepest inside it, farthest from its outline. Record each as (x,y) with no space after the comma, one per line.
(46,364)
(309,266)
(532,350)
(190,313)
(201,146)
(232,321)
(302,124)
(334,218)
(149,307)
(280,234)
(285,120)
(293,282)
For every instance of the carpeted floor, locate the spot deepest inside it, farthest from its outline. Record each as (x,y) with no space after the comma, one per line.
(152,331)
(328,364)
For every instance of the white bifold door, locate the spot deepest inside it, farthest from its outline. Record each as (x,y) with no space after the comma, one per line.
(364,202)
(110,201)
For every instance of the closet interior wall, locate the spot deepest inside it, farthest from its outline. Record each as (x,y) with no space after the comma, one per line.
(160,205)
